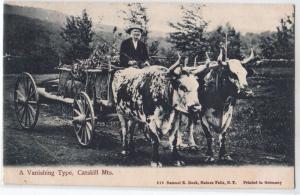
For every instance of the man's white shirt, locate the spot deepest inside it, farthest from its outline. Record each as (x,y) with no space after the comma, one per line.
(135,44)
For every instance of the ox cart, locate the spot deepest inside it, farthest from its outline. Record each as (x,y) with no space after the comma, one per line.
(89,95)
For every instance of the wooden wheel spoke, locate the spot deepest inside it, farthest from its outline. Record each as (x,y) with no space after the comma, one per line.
(25,80)
(85,135)
(31,93)
(77,129)
(83,104)
(89,130)
(29,90)
(26,115)
(77,112)
(80,106)
(87,112)
(32,102)
(23,114)
(21,89)
(32,111)
(87,109)
(21,95)
(82,132)
(89,125)
(21,107)
(29,117)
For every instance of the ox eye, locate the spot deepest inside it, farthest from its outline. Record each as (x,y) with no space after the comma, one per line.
(183,88)
(233,76)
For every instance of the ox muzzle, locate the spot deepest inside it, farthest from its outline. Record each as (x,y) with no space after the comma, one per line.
(193,109)
(246,93)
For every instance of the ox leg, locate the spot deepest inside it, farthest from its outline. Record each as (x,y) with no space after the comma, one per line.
(175,154)
(123,133)
(180,144)
(131,126)
(209,152)
(222,139)
(226,120)
(191,141)
(155,155)
(155,143)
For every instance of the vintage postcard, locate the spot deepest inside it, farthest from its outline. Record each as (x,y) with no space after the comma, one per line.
(149,94)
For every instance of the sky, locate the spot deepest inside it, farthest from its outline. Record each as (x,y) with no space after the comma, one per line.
(244,17)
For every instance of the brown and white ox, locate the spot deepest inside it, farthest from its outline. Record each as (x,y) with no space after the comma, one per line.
(155,96)
(219,88)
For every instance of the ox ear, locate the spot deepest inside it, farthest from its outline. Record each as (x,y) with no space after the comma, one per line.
(250,72)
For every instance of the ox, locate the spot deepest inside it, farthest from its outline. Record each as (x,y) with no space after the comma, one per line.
(154,96)
(220,87)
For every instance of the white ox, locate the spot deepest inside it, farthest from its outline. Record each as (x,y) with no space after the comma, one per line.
(154,96)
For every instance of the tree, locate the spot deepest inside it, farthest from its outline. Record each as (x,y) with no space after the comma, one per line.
(137,14)
(285,38)
(189,36)
(280,44)
(267,45)
(217,39)
(78,35)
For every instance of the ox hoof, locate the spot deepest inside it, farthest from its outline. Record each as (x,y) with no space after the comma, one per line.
(226,158)
(179,163)
(193,147)
(182,146)
(156,164)
(209,159)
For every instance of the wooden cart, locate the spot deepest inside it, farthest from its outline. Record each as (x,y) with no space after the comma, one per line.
(91,100)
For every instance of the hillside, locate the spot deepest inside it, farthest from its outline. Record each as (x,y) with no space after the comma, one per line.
(36,13)
(32,44)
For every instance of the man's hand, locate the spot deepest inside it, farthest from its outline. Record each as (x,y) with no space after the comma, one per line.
(132,62)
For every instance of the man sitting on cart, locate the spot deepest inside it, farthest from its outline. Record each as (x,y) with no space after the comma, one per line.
(133,51)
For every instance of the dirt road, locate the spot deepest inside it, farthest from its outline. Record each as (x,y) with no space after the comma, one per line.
(261,132)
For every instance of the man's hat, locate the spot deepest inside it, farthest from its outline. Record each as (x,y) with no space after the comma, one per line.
(134,26)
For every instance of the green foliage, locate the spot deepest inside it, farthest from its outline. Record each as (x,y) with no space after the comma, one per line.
(78,35)
(189,36)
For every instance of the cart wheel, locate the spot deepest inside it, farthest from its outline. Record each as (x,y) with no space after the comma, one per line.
(83,119)
(26,100)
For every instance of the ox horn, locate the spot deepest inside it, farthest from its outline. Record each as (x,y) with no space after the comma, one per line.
(250,58)
(175,65)
(186,61)
(195,60)
(220,57)
(207,57)
(198,69)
